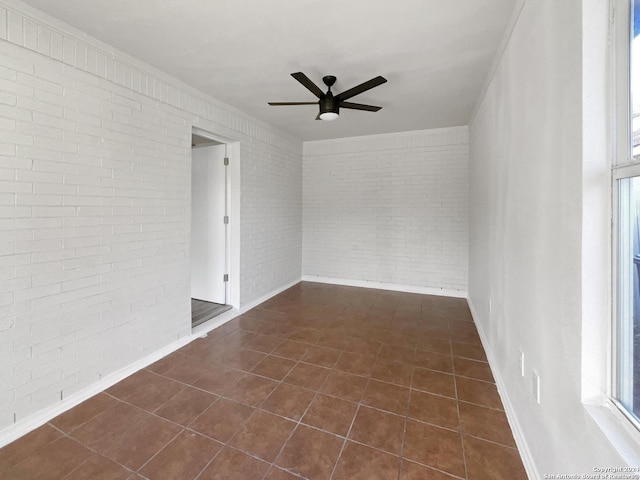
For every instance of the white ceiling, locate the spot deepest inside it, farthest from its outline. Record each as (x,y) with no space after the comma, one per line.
(435,54)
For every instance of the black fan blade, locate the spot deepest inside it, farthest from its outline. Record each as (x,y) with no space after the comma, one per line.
(359,106)
(318,116)
(312,87)
(363,87)
(279,104)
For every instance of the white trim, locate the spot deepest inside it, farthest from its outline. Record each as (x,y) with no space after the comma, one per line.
(620,62)
(234,230)
(622,275)
(618,429)
(596,267)
(626,171)
(266,297)
(444,292)
(435,137)
(518,435)
(41,417)
(204,328)
(410,133)
(201,132)
(233,210)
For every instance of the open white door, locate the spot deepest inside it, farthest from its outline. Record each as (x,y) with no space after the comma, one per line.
(208,229)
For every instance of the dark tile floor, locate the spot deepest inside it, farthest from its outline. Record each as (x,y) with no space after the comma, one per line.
(320,382)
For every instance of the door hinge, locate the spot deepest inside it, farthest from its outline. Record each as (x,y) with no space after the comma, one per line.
(226,219)
(226,161)
(225,277)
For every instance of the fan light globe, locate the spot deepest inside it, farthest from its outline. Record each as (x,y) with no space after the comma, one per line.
(328,116)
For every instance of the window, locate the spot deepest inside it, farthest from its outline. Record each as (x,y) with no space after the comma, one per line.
(628,325)
(634,71)
(626,175)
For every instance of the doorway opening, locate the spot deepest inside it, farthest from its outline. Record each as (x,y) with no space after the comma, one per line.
(209,228)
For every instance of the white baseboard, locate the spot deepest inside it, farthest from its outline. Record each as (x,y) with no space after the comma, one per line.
(266,297)
(444,292)
(204,328)
(518,435)
(41,417)
(223,318)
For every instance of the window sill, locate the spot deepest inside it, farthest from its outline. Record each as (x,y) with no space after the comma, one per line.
(623,436)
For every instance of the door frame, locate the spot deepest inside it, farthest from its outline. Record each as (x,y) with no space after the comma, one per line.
(232,254)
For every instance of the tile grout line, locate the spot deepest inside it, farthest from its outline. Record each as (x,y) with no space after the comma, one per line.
(413,366)
(158,452)
(186,428)
(91,449)
(227,445)
(406,416)
(257,408)
(404,427)
(351,315)
(209,462)
(346,438)
(183,427)
(299,421)
(309,406)
(464,457)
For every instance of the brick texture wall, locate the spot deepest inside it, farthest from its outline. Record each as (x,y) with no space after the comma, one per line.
(388,208)
(94,209)
(271,200)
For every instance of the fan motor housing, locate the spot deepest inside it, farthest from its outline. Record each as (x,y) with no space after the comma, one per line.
(328,104)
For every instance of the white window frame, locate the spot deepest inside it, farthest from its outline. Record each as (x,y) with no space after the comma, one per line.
(619,330)
(623,166)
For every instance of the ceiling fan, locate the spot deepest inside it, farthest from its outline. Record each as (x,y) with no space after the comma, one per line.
(330,104)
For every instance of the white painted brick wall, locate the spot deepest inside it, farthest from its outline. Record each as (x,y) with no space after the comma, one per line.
(388,208)
(276,186)
(94,208)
